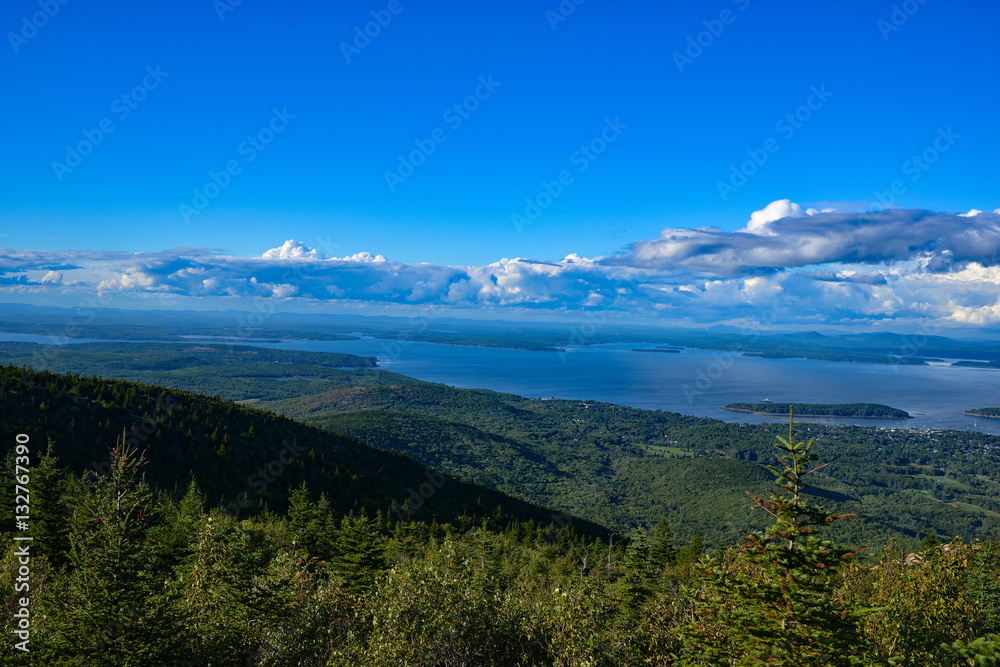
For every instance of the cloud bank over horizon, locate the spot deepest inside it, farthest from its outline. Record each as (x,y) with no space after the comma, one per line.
(788,265)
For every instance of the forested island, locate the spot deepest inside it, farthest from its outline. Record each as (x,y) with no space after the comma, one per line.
(876,410)
(836,355)
(993,413)
(977,364)
(658,349)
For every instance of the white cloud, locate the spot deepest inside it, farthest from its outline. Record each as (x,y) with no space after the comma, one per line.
(981,316)
(876,237)
(292,249)
(800,267)
(776,210)
(362,257)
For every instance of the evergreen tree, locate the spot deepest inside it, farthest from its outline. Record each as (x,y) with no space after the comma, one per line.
(634,585)
(180,525)
(358,554)
(775,603)
(307,522)
(663,552)
(692,551)
(930,541)
(227,600)
(109,609)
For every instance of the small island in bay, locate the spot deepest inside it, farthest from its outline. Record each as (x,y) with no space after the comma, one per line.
(657,349)
(875,410)
(977,364)
(992,413)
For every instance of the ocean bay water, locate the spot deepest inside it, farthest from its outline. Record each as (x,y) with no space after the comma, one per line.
(694,382)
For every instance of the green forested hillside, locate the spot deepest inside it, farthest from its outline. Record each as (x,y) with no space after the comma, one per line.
(130,565)
(627,467)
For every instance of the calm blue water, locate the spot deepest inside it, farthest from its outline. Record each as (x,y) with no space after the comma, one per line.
(695,382)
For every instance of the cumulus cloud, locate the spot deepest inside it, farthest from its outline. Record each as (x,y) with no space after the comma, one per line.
(831,236)
(776,210)
(790,264)
(292,249)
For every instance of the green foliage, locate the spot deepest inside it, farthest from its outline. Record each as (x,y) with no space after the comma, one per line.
(141,564)
(923,602)
(979,652)
(626,467)
(442,609)
(616,466)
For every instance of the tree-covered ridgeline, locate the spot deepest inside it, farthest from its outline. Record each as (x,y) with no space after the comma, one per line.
(141,576)
(876,410)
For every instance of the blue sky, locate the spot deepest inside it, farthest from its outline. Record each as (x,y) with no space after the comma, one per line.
(872,84)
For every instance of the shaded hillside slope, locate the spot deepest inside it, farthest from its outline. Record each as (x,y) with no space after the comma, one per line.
(242,458)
